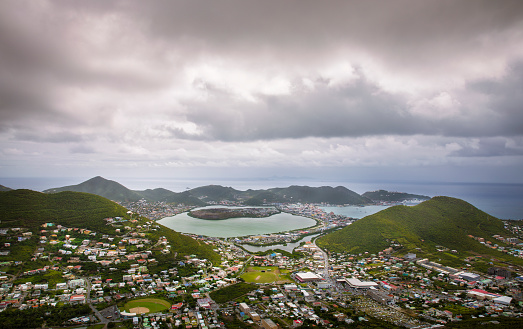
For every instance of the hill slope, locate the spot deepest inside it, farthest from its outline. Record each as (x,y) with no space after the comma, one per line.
(215,193)
(441,221)
(387,196)
(30,209)
(333,195)
(4,188)
(103,187)
(161,194)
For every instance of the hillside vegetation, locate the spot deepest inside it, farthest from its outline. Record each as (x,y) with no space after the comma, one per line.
(440,222)
(26,208)
(382,195)
(215,193)
(30,209)
(115,191)
(4,188)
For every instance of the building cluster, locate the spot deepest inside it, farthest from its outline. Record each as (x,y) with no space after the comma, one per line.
(155,210)
(72,265)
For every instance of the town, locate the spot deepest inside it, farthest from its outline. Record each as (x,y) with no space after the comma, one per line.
(99,275)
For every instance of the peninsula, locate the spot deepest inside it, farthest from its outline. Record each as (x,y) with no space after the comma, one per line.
(226,213)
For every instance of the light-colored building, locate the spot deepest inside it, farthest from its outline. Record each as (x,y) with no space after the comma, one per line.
(307,277)
(356,283)
(245,308)
(268,324)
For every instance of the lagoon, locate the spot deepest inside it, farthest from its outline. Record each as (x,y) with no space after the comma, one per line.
(287,247)
(233,227)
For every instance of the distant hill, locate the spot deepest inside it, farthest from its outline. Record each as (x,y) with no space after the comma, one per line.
(441,221)
(30,209)
(216,193)
(305,194)
(161,194)
(333,195)
(103,187)
(387,196)
(117,192)
(4,188)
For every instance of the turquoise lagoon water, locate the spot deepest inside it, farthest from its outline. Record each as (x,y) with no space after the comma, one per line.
(232,227)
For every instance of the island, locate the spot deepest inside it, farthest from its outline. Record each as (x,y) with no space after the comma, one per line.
(226,213)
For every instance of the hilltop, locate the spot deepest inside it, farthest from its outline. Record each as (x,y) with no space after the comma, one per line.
(4,188)
(387,196)
(442,223)
(115,191)
(215,193)
(29,209)
(103,187)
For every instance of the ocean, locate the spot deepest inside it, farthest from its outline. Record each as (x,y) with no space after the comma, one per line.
(504,201)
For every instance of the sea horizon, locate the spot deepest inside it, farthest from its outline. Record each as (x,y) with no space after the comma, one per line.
(502,200)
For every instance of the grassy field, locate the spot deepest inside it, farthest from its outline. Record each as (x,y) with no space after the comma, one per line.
(153,304)
(265,275)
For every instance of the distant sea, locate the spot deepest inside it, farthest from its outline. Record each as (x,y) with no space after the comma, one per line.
(504,201)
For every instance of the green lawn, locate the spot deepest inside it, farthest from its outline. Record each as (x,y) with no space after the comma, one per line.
(270,274)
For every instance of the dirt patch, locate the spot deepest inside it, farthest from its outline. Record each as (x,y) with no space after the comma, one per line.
(258,277)
(139,310)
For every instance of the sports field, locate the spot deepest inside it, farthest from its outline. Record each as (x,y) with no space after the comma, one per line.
(264,274)
(146,305)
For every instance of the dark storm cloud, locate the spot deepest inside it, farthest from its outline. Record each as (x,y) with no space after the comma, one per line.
(491,147)
(338,83)
(505,98)
(358,108)
(352,110)
(40,56)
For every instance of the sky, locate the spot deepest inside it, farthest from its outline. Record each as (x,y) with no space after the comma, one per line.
(355,90)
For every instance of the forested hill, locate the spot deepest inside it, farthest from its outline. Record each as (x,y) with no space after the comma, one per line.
(115,191)
(387,196)
(29,209)
(103,187)
(215,193)
(442,222)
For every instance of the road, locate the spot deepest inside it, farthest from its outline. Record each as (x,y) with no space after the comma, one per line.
(326,274)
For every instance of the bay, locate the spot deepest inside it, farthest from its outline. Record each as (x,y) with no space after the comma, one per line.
(234,227)
(354,211)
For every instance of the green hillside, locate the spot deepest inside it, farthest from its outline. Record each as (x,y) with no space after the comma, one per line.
(26,208)
(4,188)
(215,193)
(333,195)
(115,191)
(161,194)
(30,209)
(382,195)
(441,221)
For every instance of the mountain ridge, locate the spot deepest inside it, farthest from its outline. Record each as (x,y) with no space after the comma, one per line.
(202,195)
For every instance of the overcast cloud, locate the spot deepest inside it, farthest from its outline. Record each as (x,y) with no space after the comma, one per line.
(173,87)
